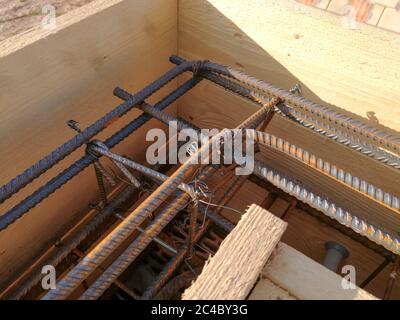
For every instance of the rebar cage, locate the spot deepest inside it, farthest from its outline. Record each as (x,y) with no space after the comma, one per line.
(185,187)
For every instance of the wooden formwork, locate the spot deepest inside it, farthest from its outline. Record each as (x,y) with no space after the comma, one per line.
(50,76)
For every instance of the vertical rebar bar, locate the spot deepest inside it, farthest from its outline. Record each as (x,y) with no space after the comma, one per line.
(134,249)
(172,266)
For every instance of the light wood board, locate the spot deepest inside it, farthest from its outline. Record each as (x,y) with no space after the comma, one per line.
(231,273)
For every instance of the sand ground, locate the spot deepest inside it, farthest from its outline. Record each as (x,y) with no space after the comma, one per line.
(20,15)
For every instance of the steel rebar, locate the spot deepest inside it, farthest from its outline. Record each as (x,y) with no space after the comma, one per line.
(334,133)
(80,272)
(375,135)
(67,246)
(172,266)
(55,183)
(134,249)
(384,198)
(328,208)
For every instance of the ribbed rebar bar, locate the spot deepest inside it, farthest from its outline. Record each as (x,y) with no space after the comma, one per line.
(155,113)
(368,189)
(16,184)
(315,162)
(148,235)
(55,183)
(66,247)
(172,266)
(75,277)
(158,176)
(134,249)
(330,131)
(375,135)
(87,265)
(81,271)
(330,209)
(100,184)
(274,192)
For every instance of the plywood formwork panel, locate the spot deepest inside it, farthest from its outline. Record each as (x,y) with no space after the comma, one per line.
(50,76)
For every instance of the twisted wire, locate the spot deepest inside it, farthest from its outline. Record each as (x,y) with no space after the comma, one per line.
(134,249)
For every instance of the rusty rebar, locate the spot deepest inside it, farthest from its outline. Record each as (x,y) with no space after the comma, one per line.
(330,131)
(323,113)
(80,272)
(55,183)
(16,184)
(67,246)
(134,249)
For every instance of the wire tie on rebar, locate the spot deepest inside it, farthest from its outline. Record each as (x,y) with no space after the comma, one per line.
(297,89)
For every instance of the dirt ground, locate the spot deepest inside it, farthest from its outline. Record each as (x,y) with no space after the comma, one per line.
(17,16)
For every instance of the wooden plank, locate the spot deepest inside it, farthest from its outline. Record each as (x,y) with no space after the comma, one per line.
(50,76)
(306,279)
(233,270)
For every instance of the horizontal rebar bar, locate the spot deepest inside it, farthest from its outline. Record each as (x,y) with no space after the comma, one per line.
(55,183)
(375,135)
(98,255)
(198,160)
(304,156)
(158,176)
(81,271)
(16,184)
(328,208)
(321,128)
(315,162)
(134,249)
